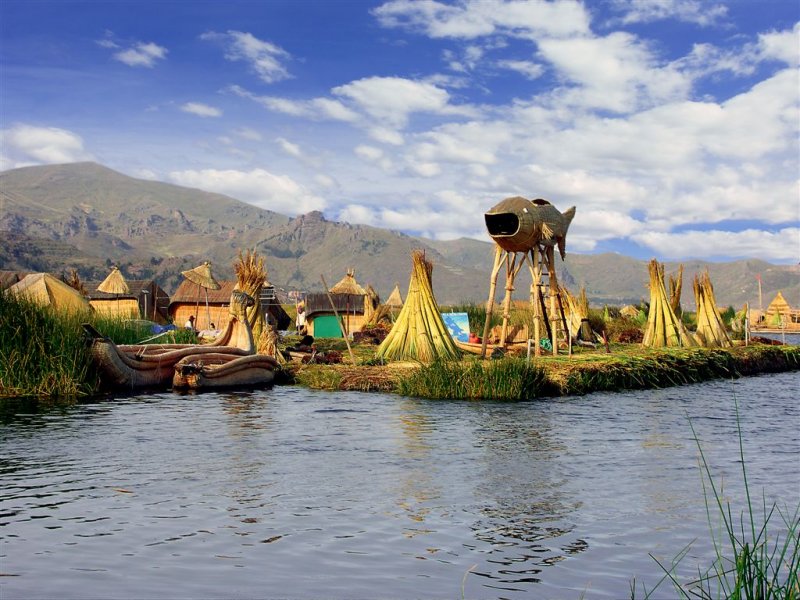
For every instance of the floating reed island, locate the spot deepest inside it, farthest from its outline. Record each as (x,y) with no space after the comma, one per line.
(551,345)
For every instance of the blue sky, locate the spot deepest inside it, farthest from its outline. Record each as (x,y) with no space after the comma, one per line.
(672,125)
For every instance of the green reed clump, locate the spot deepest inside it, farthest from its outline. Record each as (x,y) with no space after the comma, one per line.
(752,561)
(504,379)
(42,352)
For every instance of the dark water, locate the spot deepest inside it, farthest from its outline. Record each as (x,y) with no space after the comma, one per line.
(291,493)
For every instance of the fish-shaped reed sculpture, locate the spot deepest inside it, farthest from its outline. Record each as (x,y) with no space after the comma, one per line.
(518,224)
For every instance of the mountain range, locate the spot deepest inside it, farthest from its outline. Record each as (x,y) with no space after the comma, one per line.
(89,217)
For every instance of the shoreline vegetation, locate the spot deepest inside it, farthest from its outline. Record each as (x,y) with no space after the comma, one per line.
(44,354)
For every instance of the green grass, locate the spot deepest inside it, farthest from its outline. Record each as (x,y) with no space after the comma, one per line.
(44,353)
(755,558)
(506,379)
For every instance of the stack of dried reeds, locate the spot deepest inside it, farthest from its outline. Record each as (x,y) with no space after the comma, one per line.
(419,332)
(268,344)
(371,303)
(675,288)
(251,275)
(578,314)
(711,330)
(74,281)
(664,328)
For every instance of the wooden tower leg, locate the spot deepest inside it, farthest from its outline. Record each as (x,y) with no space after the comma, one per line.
(553,281)
(498,261)
(536,281)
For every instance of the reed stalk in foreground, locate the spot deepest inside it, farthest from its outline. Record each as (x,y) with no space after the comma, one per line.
(752,561)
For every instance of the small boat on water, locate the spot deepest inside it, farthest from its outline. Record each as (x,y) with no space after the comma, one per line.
(153,365)
(222,370)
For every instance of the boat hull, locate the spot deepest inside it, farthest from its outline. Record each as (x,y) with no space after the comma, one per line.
(222,370)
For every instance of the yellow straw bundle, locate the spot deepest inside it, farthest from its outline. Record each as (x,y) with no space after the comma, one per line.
(675,288)
(419,332)
(664,328)
(711,330)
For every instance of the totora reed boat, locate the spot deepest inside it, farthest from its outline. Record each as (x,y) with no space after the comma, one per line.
(153,365)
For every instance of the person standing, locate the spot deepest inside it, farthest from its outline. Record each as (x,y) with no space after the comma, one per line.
(190,323)
(300,322)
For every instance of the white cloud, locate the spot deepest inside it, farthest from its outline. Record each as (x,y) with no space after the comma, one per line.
(289,148)
(259,187)
(386,136)
(141,54)
(781,45)
(391,100)
(24,144)
(317,108)
(248,134)
(701,12)
(475,18)
(265,58)
(200,109)
(782,245)
(526,68)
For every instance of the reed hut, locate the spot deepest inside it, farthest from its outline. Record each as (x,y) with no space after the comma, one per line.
(144,300)
(190,300)
(395,300)
(779,313)
(46,290)
(349,299)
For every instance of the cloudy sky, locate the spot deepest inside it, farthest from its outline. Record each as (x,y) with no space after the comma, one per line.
(672,125)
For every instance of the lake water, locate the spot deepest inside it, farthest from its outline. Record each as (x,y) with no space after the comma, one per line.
(293,493)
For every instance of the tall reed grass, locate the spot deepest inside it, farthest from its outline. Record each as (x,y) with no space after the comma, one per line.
(44,353)
(506,379)
(755,558)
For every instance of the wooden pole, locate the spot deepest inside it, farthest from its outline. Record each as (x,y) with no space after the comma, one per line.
(335,312)
(498,261)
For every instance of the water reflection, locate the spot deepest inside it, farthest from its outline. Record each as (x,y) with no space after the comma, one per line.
(363,495)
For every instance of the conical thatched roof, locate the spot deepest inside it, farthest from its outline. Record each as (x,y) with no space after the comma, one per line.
(202,276)
(395,300)
(348,285)
(46,290)
(114,284)
(779,305)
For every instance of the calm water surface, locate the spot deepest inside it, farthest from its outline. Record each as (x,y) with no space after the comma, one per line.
(292,493)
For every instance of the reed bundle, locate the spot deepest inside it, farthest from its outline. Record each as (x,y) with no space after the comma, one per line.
(251,275)
(711,330)
(268,344)
(73,280)
(419,332)
(664,328)
(577,314)
(675,288)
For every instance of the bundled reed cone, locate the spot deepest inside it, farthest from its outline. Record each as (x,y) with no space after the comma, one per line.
(251,275)
(578,314)
(371,303)
(711,331)
(268,344)
(664,328)
(675,288)
(419,332)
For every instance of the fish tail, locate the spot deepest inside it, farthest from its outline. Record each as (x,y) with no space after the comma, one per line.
(568,215)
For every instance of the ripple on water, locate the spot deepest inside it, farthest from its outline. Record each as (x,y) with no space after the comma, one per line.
(338,495)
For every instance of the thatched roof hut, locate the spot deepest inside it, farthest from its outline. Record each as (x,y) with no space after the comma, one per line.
(348,297)
(188,299)
(144,299)
(395,300)
(348,285)
(44,289)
